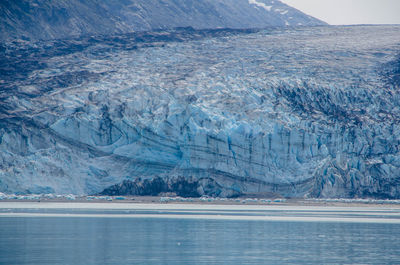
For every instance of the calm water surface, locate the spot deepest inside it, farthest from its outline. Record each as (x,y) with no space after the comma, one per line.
(118,240)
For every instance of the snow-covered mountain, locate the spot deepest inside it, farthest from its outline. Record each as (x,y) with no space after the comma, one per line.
(48,19)
(299,112)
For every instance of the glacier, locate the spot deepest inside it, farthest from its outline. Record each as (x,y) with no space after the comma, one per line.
(299,112)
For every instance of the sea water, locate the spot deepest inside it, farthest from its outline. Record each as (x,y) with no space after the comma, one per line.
(126,234)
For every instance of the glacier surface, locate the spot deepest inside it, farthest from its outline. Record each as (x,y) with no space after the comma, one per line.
(310,111)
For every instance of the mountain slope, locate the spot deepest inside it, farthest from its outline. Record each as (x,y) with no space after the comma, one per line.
(299,112)
(46,19)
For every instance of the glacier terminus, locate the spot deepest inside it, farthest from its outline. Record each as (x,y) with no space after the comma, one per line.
(307,111)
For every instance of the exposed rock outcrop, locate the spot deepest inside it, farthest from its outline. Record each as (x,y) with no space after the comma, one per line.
(181,186)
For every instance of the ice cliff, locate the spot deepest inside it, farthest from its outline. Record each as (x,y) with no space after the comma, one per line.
(299,112)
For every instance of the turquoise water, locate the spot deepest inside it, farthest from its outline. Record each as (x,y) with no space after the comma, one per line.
(105,239)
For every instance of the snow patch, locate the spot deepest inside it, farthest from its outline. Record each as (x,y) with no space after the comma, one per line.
(254,2)
(282,11)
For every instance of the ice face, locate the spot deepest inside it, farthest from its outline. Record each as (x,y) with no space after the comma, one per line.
(300,112)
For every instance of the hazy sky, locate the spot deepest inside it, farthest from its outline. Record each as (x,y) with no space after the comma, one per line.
(345,12)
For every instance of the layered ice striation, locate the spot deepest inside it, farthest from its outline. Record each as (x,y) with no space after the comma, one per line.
(47,19)
(297,112)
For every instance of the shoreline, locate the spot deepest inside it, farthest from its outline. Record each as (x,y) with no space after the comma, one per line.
(151,200)
(289,211)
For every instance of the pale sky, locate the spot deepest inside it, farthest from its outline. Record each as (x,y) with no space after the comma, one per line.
(347,12)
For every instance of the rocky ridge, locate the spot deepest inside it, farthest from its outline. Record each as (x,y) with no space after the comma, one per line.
(46,19)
